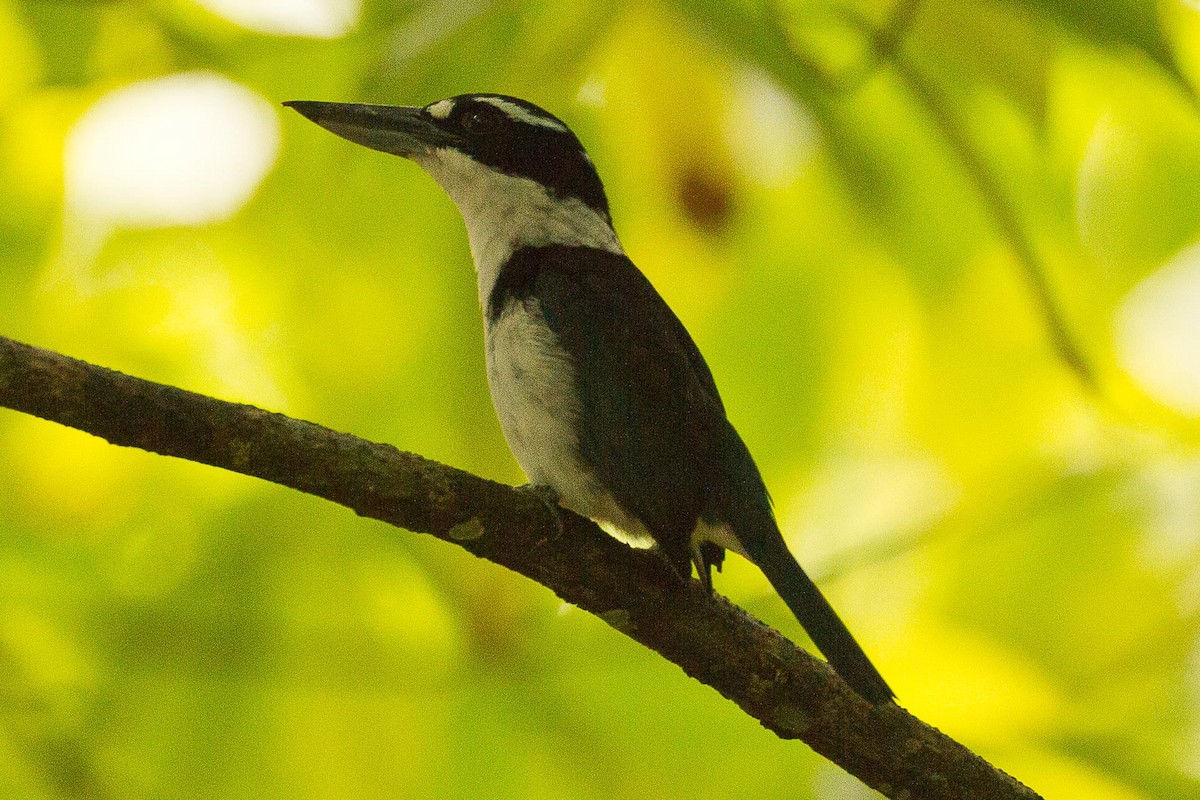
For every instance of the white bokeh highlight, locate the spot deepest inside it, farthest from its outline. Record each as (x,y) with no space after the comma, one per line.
(859,498)
(1158,333)
(769,134)
(319,19)
(182,150)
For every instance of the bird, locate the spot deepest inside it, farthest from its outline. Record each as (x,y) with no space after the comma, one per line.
(601,393)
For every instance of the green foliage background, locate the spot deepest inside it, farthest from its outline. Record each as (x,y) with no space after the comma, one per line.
(870,217)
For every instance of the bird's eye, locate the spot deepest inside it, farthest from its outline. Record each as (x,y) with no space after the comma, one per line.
(478,122)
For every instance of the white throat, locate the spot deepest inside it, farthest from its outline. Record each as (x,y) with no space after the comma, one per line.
(504,213)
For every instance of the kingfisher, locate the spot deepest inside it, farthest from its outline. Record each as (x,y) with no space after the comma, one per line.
(602,395)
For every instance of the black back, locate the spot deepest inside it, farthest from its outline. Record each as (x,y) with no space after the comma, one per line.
(652,428)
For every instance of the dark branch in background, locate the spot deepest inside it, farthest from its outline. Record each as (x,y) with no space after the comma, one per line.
(887,45)
(761,36)
(635,591)
(884,43)
(1005,217)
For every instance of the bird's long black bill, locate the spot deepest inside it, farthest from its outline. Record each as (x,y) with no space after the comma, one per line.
(406,131)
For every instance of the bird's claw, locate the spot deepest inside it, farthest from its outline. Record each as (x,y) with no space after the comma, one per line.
(549,499)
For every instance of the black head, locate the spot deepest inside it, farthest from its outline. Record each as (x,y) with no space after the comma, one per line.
(506,134)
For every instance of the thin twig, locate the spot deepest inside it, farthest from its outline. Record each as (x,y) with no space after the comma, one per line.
(887,44)
(1004,215)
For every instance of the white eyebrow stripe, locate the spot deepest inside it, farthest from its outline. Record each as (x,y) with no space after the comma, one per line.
(524,115)
(441,109)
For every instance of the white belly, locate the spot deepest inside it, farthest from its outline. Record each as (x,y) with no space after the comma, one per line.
(532,385)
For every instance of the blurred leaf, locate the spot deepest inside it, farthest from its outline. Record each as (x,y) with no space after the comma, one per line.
(67,33)
(1142,161)
(1035,578)
(753,35)
(1141,765)
(1117,24)
(995,48)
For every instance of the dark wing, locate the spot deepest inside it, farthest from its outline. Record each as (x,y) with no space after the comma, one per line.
(652,419)
(655,433)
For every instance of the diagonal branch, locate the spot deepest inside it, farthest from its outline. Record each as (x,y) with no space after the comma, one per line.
(635,591)
(1005,217)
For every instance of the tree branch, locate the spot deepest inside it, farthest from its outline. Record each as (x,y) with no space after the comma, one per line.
(635,591)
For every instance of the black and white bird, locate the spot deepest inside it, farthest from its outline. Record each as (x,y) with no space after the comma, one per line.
(602,395)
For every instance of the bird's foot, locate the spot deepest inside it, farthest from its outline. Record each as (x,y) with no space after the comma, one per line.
(549,498)
(703,568)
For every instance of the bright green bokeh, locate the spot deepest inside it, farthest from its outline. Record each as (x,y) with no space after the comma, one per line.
(1016,548)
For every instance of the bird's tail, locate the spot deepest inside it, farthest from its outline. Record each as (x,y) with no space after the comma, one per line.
(820,621)
(748,512)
